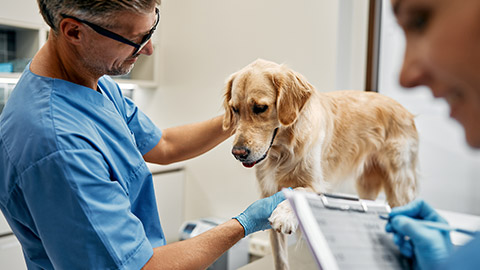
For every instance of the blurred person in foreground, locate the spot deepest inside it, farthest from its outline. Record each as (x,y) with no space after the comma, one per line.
(443,53)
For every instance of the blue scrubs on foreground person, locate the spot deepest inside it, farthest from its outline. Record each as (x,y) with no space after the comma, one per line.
(74,184)
(442,53)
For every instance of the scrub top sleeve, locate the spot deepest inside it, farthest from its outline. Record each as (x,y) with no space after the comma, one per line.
(83,217)
(465,257)
(146,134)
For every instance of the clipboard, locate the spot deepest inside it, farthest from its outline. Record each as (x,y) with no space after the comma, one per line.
(344,232)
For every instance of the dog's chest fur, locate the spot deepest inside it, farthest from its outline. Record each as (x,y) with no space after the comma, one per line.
(295,159)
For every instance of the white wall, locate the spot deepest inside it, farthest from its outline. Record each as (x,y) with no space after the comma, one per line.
(25,12)
(202,42)
(449,168)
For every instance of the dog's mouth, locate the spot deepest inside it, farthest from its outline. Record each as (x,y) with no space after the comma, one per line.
(251,164)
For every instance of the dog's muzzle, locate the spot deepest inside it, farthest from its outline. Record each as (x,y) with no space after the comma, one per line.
(242,153)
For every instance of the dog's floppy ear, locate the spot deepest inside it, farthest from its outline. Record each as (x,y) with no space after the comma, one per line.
(228,118)
(292,92)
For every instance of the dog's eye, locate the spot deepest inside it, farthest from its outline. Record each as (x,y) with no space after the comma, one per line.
(235,110)
(258,109)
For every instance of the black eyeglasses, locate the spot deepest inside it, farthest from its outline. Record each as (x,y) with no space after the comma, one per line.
(107,33)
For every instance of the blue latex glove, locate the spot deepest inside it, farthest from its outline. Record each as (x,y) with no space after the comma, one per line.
(255,217)
(428,247)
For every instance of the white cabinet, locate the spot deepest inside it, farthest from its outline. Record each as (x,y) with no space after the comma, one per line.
(169,192)
(11,255)
(18,44)
(4,228)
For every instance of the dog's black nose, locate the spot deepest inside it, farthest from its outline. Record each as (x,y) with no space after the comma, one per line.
(240,153)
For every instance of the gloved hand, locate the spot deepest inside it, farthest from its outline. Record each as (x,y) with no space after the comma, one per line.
(255,217)
(427,246)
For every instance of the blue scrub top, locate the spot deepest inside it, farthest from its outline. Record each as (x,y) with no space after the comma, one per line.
(466,257)
(73,184)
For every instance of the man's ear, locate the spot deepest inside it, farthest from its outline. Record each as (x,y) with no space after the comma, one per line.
(293,90)
(71,30)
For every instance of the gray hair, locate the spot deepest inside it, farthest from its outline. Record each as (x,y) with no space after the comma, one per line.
(92,10)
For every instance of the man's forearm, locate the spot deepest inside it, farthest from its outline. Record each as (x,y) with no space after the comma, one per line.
(188,141)
(198,252)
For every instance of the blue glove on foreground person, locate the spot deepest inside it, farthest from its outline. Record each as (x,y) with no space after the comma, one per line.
(255,217)
(426,246)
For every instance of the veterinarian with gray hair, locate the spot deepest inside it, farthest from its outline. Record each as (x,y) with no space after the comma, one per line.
(74,185)
(443,53)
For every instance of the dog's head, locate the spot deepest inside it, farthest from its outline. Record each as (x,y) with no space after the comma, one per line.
(259,99)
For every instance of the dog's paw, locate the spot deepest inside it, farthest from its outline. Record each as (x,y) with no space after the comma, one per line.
(283,219)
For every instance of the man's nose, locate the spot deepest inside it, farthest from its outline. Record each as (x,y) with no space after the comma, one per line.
(147,49)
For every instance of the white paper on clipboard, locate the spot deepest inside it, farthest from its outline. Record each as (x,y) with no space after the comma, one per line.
(345,233)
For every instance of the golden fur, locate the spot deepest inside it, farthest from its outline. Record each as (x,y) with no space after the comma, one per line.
(322,139)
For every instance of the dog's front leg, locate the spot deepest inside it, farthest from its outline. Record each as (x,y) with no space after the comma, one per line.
(279,245)
(283,222)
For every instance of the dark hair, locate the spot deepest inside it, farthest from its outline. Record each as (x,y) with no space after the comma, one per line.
(93,10)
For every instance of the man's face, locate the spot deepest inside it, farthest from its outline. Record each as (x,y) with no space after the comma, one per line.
(443,53)
(104,55)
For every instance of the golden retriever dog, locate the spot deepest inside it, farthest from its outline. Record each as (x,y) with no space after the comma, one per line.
(298,137)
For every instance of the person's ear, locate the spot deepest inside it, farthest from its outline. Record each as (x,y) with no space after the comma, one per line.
(71,30)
